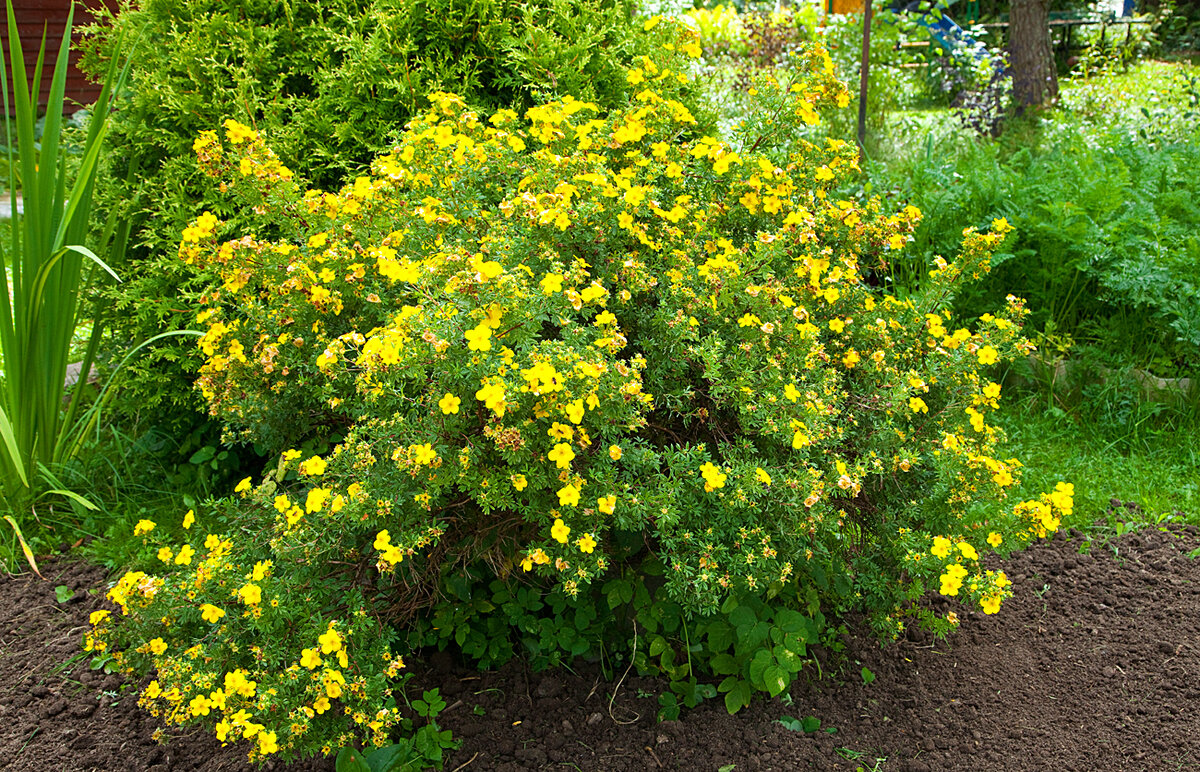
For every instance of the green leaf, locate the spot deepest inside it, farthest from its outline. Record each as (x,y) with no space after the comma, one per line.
(776,680)
(389,757)
(811,724)
(738,697)
(742,617)
(723,664)
(351,760)
(867,676)
(63,593)
(80,500)
(762,660)
(792,724)
(203,455)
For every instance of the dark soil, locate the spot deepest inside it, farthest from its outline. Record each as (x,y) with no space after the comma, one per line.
(1093,665)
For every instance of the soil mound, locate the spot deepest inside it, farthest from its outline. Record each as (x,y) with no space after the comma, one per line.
(1094,664)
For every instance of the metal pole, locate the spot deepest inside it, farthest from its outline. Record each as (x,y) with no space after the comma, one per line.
(862,87)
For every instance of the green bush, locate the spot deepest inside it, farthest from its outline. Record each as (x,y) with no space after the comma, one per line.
(332,83)
(586,370)
(1105,247)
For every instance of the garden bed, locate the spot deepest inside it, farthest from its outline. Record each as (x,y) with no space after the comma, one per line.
(1092,665)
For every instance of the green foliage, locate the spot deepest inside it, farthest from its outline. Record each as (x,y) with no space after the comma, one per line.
(332,83)
(1105,247)
(423,749)
(740,49)
(568,358)
(45,270)
(1177,25)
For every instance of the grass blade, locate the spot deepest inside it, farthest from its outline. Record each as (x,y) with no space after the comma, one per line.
(24,546)
(10,444)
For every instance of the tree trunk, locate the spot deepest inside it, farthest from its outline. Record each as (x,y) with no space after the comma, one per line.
(1035,79)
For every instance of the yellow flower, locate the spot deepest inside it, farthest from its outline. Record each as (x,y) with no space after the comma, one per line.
(200,705)
(1063,497)
(321,704)
(211,613)
(479,338)
(157,646)
(251,594)
(165,554)
(189,518)
(310,659)
(987,355)
(941,547)
(560,531)
(330,641)
(574,411)
(568,496)
(291,455)
(561,455)
(713,476)
(990,604)
(519,482)
(143,526)
(968,551)
(553,282)
(762,476)
(424,454)
(316,499)
(586,543)
(791,392)
(313,467)
(607,504)
(449,404)
(96,617)
(492,396)
(184,557)
(917,405)
(994,539)
(267,743)
(614,452)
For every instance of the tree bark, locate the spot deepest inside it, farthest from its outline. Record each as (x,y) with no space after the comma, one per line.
(1035,78)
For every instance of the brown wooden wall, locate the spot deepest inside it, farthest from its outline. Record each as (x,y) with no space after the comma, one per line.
(34,17)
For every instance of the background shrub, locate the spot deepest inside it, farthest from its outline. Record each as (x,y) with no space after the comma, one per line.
(1105,245)
(332,83)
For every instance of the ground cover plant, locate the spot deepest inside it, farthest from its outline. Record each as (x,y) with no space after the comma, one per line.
(638,376)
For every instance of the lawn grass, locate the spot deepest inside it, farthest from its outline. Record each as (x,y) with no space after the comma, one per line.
(1149,459)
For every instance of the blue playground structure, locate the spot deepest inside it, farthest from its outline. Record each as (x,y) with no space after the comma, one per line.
(951,37)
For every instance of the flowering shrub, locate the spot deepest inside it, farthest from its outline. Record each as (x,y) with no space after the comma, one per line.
(556,346)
